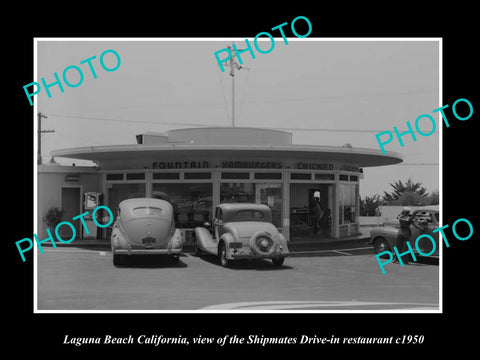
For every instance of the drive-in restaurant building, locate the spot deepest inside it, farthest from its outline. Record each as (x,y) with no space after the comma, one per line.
(198,168)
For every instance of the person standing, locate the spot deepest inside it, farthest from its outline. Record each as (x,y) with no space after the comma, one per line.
(404,232)
(317,213)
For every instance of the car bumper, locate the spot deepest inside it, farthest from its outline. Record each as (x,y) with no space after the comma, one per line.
(147,251)
(238,255)
(435,255)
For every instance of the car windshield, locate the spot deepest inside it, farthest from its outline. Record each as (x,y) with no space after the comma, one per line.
(250,215)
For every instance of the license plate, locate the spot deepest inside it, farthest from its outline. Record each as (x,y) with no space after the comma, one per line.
(148,240)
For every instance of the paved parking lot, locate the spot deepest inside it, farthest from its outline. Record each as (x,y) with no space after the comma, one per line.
(336,279)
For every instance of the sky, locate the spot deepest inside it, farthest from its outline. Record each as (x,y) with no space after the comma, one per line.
(323,91)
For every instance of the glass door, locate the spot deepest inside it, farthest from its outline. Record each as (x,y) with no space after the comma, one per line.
(310,211)
(271,195)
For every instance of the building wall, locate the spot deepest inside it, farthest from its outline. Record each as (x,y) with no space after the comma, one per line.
(237,164)
(291,215)
(229,136)
(51,180)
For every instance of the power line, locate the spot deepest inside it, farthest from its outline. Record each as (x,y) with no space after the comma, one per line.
(206,125)
(224,97)
(418,164)
(344,96)
(125,120)
(298,99)
(331,130)
(339,130)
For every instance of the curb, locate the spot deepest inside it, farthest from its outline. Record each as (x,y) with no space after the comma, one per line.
(297,248)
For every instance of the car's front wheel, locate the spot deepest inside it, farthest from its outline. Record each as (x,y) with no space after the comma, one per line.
(222,254)
(380,244)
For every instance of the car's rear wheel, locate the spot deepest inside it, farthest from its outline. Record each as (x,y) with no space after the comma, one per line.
(278,261)
(222,255)
(380,244)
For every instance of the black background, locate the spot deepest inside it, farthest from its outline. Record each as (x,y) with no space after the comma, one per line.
(44,333)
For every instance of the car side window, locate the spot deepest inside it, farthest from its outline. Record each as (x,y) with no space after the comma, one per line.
(249,215)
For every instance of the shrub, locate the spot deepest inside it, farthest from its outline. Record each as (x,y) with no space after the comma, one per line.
(53,217)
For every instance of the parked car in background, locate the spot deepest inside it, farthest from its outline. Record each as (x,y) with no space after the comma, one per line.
(241,231)
(384,238)
(202,210)
(145,226)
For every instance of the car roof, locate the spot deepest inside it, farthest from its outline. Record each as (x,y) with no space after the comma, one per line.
(427,208)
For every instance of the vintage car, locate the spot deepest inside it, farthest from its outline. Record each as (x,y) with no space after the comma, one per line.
(241,231)
(145,226)
(427,218)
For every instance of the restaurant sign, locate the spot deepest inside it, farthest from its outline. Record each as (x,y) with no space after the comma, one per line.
(252,165)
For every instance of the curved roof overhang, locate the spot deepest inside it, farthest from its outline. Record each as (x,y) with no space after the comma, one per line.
(360,156)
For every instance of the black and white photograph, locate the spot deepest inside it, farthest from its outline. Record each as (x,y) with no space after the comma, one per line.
(223,180)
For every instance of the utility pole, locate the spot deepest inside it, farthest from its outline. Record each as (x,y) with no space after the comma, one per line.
(234,65)
(39,136)
(232,72)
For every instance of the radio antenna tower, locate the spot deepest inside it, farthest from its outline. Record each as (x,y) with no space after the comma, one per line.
(234,66)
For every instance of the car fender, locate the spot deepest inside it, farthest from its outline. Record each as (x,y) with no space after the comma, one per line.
(118,238)
(283,242)
(232,231)
(176,241)
(385,232)
(226,239)
(203,237)
(389,236)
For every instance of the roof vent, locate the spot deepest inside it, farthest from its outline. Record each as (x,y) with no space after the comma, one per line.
(151,138)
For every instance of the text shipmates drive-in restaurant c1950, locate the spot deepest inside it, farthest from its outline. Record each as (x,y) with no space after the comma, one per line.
(312,191)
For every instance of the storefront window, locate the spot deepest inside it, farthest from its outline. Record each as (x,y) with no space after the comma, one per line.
(259,193)
(347,202)
(310,211)
(120,192)
(192,202)
(271,195)
(237,192)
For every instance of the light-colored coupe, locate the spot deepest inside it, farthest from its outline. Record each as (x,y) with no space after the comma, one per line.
(241,231)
